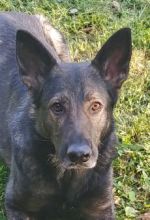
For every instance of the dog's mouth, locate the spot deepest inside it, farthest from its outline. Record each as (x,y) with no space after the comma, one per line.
(78,165)
(66,164)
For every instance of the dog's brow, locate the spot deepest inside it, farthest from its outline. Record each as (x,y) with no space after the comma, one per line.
(58,97)
(91,96)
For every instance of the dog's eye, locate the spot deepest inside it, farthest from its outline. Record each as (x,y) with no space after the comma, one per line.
(95,107)
(57,108)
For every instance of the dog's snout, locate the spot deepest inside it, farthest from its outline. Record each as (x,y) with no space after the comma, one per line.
(79,153)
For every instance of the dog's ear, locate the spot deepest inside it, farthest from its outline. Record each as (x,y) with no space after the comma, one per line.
(113,59)
(33,59)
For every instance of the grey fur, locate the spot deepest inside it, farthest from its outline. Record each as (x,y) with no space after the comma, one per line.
(57,129)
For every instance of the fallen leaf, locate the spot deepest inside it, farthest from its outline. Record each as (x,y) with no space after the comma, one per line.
(73,11)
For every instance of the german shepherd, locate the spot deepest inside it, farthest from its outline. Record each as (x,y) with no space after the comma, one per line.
(57,127)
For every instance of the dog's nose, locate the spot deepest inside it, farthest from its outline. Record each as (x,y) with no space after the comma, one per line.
(79,153)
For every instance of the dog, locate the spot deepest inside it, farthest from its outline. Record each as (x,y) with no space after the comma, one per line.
(57,129)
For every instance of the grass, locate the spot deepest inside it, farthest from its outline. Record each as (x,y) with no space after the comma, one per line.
(86,29)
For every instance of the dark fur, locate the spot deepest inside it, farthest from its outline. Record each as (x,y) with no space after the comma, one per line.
(52,112)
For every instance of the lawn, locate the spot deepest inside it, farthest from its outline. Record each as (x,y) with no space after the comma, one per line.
(87,24)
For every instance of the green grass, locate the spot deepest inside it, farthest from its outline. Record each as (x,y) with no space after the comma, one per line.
(86,31)
(3,179)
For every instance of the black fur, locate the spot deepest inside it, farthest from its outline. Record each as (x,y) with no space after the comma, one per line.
(57,130)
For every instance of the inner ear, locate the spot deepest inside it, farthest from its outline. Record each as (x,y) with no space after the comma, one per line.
(113,59)
(34,60)
(115,66)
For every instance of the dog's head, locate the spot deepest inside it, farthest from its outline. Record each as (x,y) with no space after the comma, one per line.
(74,101)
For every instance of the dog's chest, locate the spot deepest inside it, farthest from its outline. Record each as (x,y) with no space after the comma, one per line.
(52,197)
(52,202)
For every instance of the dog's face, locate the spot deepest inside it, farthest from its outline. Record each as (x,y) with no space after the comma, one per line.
(75,100)
(75,111)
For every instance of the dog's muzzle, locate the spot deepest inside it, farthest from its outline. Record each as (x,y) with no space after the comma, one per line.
(79,154)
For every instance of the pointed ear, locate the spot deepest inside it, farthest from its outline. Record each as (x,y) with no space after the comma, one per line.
(33,59)
(113,59)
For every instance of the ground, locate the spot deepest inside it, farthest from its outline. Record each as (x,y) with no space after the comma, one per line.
(87,24)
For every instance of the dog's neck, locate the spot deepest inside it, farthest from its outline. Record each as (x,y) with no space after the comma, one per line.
(74,184)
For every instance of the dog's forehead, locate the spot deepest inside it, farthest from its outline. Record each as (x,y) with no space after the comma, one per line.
(79,74)
(78,79)
(77,70)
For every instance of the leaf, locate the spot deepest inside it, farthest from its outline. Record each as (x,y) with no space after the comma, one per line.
(132,196)
(130,211)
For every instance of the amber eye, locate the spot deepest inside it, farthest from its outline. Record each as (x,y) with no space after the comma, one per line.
(57,108)
(95,107)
